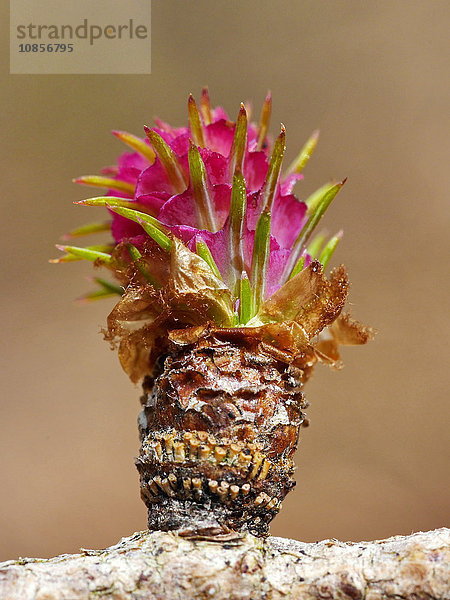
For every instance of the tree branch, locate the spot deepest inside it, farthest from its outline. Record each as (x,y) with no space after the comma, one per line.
(159,565)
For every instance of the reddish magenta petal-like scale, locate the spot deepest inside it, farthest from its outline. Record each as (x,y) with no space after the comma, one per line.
(219,137)
(154,202)
(219,114)
(218,245)
(154,179)
(216,166)
(288,183)
(288,218)
(253,201)
(252,136)
(277,261)
(179,209)
(255,170)
(180,145)
(130,165)
(182,207)
(122,228)
(185,233)
(172,132)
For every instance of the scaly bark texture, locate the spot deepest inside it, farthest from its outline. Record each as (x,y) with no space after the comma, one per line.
(165,565)
(219,427)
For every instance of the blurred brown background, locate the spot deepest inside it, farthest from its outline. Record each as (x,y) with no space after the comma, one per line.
(373,76)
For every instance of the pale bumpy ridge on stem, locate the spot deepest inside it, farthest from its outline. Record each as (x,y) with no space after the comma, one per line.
(159,565)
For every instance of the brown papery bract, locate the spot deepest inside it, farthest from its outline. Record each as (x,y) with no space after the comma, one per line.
(192,302)
(344,331)
(309,299)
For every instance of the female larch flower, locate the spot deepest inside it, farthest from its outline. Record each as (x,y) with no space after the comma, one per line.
(218,274)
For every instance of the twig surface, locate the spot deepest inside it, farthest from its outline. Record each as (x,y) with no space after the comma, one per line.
(159,565)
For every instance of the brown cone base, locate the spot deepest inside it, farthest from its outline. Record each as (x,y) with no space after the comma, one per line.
(219,427)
